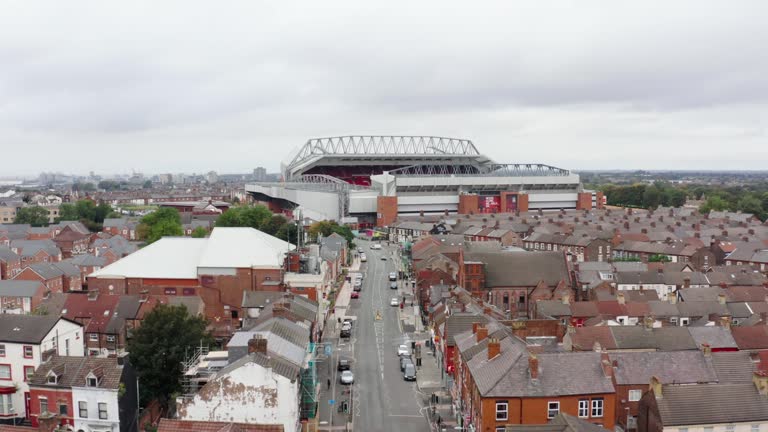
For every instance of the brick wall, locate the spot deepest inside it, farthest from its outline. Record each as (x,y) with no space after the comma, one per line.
(386,210)
(468,204)
(584,201)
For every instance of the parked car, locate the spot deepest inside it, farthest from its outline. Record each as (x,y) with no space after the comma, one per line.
(404,361)
(393,285)
(393,276)
(344,364)
(402,350)
(383,257)
(347,377)
(359,250)
(409,373)
(363,258)
(355,294)
(394,302)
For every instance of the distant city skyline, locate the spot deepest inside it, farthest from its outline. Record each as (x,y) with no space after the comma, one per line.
(581,86)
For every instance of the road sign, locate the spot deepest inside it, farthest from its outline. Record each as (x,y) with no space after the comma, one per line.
(331,401)
(328,349)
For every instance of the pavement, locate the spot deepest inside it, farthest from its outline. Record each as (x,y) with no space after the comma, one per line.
(379,400)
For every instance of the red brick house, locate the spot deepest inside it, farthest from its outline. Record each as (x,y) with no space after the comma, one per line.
(17,296)
(10,263)
(507,279)
(507,382)
(71,241)
(50,275)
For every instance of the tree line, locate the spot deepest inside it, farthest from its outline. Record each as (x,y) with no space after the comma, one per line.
(748,199)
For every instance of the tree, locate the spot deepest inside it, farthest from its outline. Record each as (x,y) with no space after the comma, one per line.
(659,258)
(288,232)
(652,197)
(751,204)
(273,225)
(161,223)
(68,212)
(199,232)
(109,185)
(713,203)
(166,335)
(147,184)
(254,217)
(35,216)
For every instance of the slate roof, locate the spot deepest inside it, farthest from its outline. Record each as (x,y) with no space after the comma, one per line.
(553,308)
(87,260)
(7,254)
(561,423)
(674,367)
(25,328)
(72,372)
(715,336)
(522,269)
(18,288)
(47,271)
(751,338)
(278,364)
(260,299)
(459,323)
(705,404)
(733,367)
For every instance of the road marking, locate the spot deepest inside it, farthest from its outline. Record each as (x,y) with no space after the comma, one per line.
(406,415)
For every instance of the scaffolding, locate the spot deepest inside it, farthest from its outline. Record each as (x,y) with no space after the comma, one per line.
(190,381)
(309,385)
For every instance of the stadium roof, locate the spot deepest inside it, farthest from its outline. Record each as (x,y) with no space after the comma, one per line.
(380,149)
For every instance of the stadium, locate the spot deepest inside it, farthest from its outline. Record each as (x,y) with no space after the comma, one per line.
(373,179)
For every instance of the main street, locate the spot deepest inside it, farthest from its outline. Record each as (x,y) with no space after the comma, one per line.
(381,399)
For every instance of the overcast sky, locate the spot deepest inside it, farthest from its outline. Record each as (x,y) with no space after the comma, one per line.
(190,87)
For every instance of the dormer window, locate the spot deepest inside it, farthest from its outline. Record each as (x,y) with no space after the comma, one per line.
(94,377)
(91,381)
(52,378)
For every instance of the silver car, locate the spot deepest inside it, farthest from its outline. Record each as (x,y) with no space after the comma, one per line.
(347,377)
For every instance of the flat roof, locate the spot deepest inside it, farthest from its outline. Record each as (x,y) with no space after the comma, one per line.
(243,248)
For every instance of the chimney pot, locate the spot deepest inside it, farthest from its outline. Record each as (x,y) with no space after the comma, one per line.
(706,349)
(257,344)
(760,379)
(655,387)
(721,298)
(620,298)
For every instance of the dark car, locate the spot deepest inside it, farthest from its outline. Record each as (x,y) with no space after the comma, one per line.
(404,361)
(344,364)
(409,372)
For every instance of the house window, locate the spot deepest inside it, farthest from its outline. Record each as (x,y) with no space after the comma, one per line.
(52,378)
(102,411)
(92,381)
(93,352)
(188,291)
(5,372)
(63,409)
(684,321)
(110,338)
(43,405)
(673,320)
(6,404)
(730,428)
(83,408)
(93,337)
(584,408)
(553,409)
(27,351)
(597,407)
(502,411)
(755,428)
(170,291)
(635,395)
(28,372)
(2,350)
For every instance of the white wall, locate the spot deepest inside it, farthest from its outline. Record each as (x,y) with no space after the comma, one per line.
(721,427)
(14,356)
(93,396)
(248,394)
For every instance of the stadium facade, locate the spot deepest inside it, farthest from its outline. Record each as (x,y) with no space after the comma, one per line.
(373,179)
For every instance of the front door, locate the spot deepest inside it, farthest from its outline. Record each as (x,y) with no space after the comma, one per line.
(27,399)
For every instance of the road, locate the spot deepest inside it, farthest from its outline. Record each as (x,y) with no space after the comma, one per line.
(382,400)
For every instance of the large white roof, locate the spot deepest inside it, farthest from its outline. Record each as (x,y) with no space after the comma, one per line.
(180,257)
(167,258)
(243,248)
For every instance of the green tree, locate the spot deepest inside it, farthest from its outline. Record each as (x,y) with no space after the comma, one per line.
(245,216)
(659,258)
(288,232)
(273,225)
(751,204)
(109,185)
(166,335)
(147,184)
(161,223)
(35,216)
(713,203)
(652,197)
(199,232)
(68,212)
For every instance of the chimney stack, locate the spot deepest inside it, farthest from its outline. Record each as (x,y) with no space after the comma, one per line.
(672,297)
(494,348)
(725,322)
(686,282)
(474,327)
(257,344)
(605,362)
(571,329)
(648,323)
(706,349)
(482,333)
(721,299)
(566,299)
(620,298)
(655,387)
(533,366)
